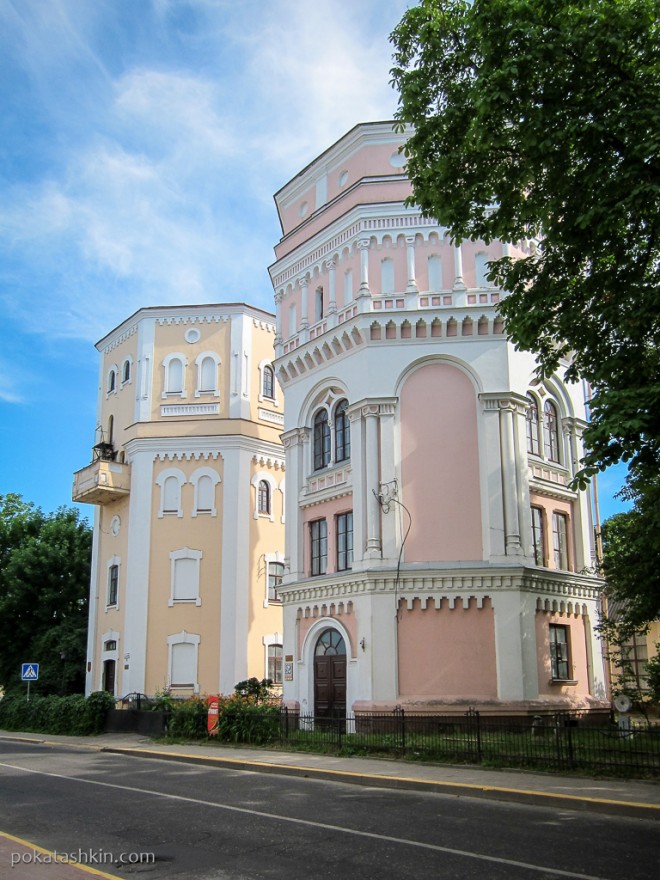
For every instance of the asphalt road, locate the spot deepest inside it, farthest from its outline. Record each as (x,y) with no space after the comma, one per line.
(215,824)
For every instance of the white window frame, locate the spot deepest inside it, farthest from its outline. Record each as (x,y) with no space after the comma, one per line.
(112,372)
(274,400)
(276,557)
(256,479)
(114,560)
(127,360)
(183,638)
(199,360)
(268,642)
(194,479)
(175,556)
(160,482)
(167,362)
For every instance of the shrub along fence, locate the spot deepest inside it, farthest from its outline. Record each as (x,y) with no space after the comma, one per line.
(73,715)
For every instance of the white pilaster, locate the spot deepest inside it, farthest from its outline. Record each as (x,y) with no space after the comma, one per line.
(93,650)
(137,568)
(370,414)
(235,579)
(515,645)
(332,290)
(509,479)
(145,369)
(241,354)
(304,305)
(458,267)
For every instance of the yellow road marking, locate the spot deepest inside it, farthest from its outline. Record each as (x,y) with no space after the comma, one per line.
(58,857)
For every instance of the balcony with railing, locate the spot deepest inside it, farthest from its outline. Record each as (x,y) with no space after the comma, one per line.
(104,480)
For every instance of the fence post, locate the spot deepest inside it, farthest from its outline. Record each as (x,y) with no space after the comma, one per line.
(286,724)
(401,715)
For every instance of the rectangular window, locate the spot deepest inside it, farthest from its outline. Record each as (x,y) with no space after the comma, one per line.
(275,575)
(345,541)
(113,584)
(559,660)
(538,541)
(318,531)
(560,540)
(275,663)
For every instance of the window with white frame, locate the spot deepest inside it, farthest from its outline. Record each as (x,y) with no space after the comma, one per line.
(170,482)
(560,664)
(113,583)
(111,385)
(183,650)
(184,576)
(342,432)
(318,534)
(321,440)
(345,541)
(532,426)
(268,382)
(174,384)
(204,482)
(264,488)
(560,540)
(273,657)
(126,371)
(274,671)
(207,365)
(550,431)
(263,497)
(275,575)
(538,536)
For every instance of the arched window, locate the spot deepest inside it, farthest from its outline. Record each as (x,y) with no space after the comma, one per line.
(207,375)
(112,381)
(342,432)
(174,375)
(171,495)
(263,497)
(550,431)
(268,383)
(532,418)
(205,494)
(126,371)
(330,644)
(321,440)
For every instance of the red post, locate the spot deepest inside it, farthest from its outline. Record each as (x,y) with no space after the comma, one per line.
(212,718)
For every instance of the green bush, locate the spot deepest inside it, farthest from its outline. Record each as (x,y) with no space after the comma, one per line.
(188,719)
(73,716)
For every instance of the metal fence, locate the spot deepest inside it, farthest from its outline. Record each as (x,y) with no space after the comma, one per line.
(566,741)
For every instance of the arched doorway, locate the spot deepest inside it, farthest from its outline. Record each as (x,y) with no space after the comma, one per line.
(330,675)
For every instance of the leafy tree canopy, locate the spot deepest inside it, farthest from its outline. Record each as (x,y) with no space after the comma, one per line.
(44,582)
(539,119)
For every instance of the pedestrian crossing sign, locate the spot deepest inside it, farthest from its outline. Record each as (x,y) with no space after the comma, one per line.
(29,671)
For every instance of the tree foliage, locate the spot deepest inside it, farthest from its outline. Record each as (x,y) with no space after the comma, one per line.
(44,582)
(540,119)
(631,559)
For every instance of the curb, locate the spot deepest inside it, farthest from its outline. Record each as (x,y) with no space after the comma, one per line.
(632,809)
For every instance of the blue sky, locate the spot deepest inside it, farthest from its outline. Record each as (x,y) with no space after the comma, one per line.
(141,142)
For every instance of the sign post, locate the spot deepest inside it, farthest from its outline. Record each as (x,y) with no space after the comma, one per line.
(29,672)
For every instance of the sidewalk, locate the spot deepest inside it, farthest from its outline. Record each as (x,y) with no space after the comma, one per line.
(615,796)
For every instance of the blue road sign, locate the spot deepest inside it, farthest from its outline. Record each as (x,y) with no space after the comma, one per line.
(29,671)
